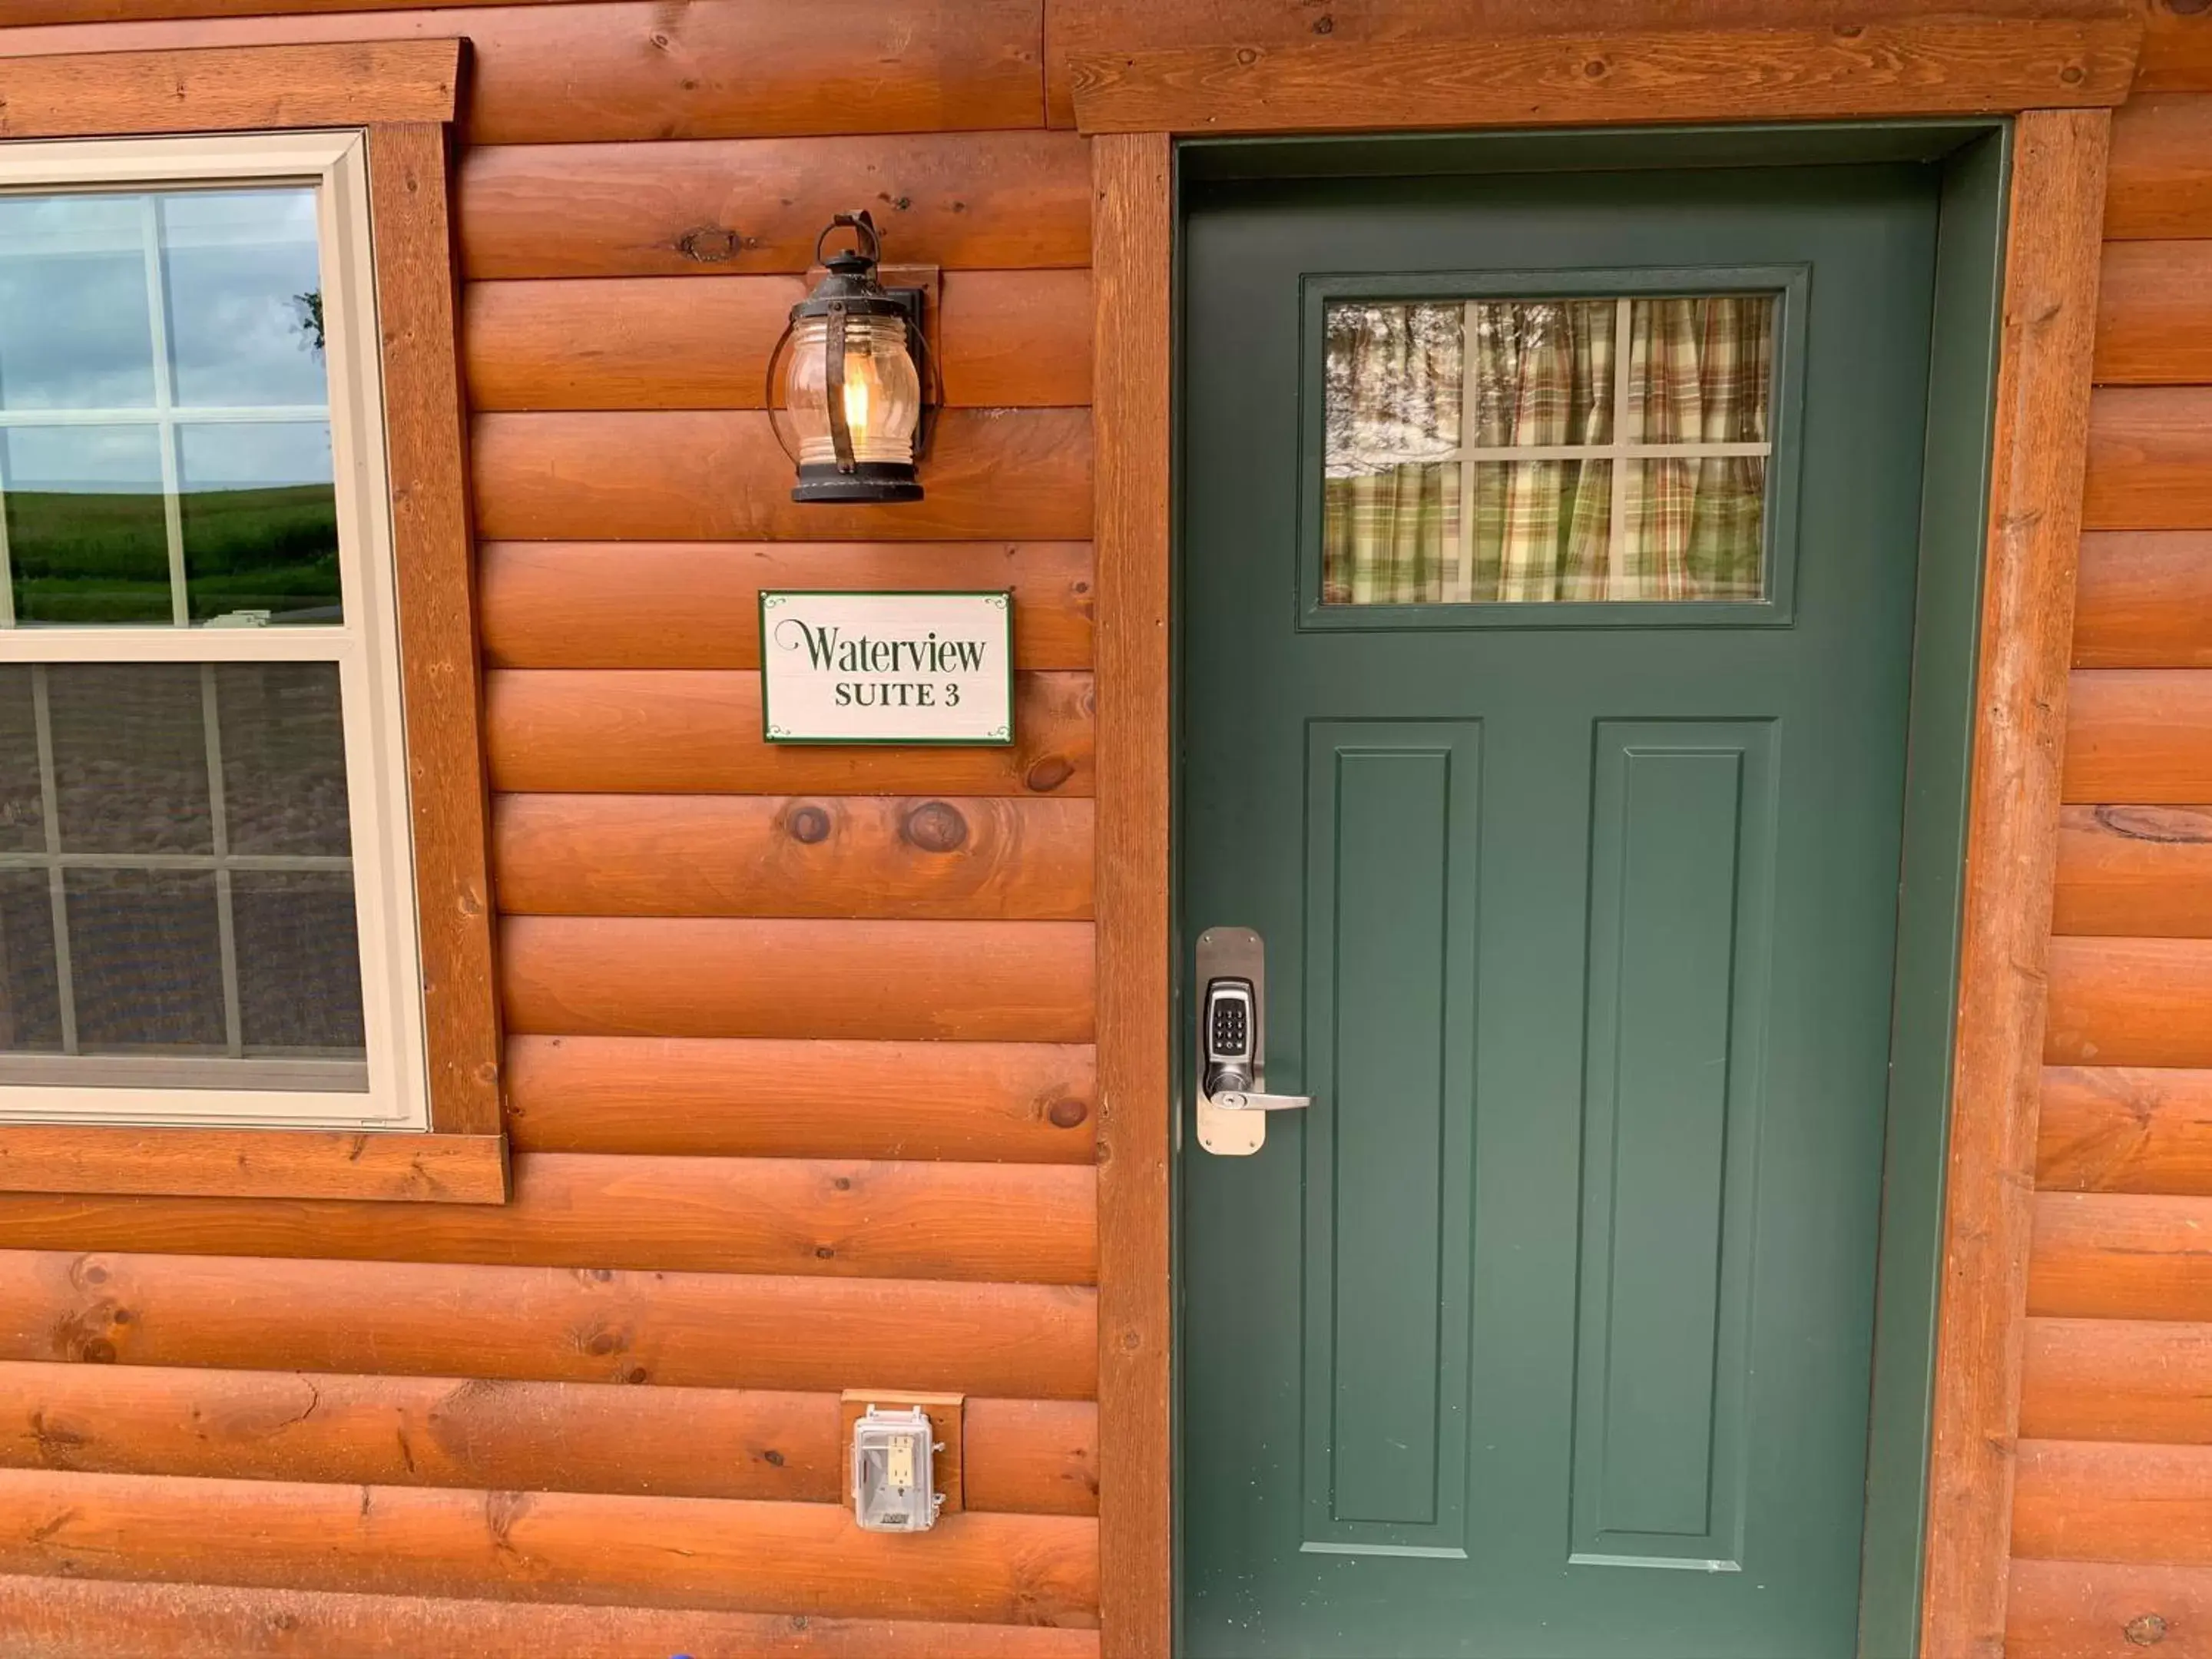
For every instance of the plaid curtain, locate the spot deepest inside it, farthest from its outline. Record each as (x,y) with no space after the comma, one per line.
(1697,374)
(1542,373)
(1390,517)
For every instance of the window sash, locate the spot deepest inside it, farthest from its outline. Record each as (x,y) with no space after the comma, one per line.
(364,646)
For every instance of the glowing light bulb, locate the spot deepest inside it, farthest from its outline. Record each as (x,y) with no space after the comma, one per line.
(856,404)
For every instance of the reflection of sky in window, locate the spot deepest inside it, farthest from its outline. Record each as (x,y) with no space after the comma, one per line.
(236,267)
(106,459)
(254,455)
(84,460)
(73,326)
(236,264)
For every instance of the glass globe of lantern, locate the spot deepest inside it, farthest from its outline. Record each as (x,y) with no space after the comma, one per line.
(882,392)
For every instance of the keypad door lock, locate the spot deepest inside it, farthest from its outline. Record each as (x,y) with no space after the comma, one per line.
(1233,1101)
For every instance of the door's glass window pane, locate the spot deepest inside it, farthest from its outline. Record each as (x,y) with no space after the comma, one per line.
(88,531)
(1543,530)
(1543,372)
(1396,380)
(260,523)
(1699,369)
(1696,527)
(1611,449)
(1395,385)
(184,328)
(76,329)
(200,847)
(1397,530)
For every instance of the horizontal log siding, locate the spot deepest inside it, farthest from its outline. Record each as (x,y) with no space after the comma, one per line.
(640,70)
(739,1554)
(800,1083)
(1023,1456)
(696,604)
(601,1419)
(67,1619)
(2111,1522)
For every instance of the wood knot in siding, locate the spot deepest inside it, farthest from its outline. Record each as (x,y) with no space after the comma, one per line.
(1047,772)
(1066,1114)
(935,826)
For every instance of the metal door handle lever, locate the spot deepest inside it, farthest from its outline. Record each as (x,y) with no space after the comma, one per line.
(1238,1101)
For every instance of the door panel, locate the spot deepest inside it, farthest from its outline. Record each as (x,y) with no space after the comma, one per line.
(1545,1332)
(1681,867)
(1392,819)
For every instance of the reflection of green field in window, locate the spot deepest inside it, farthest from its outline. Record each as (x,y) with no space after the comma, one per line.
(80,557)
(88,559)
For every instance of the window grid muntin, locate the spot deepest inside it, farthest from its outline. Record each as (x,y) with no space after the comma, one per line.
(363,644)
(1619,452)
(157,323)
(49,815)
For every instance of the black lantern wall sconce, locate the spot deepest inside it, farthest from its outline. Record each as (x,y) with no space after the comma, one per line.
(859,389)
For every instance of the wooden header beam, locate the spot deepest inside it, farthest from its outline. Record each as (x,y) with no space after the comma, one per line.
(229,89)
(1927,66)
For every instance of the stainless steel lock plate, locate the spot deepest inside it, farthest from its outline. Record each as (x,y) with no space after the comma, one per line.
(1229,1072)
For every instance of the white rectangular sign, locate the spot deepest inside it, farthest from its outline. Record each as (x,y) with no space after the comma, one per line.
(926,667)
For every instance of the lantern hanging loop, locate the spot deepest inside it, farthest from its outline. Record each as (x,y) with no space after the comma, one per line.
(862,226)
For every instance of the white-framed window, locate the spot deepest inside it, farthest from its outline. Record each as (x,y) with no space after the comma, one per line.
(207,909)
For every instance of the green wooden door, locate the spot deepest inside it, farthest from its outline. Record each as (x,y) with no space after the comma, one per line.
(1568,803)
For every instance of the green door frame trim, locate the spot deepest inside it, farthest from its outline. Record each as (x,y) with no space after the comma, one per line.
(1974,160)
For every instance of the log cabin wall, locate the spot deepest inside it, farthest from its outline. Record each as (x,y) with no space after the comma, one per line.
(799,1082)
(799,1077)
(2112,1517)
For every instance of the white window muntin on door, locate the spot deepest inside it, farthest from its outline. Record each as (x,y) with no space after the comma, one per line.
(1471,455)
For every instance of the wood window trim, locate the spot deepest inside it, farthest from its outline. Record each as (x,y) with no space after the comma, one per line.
(2040,439)
(404,95)
(1939,65)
